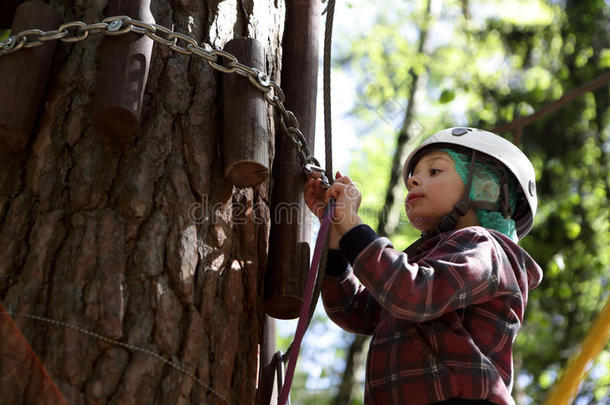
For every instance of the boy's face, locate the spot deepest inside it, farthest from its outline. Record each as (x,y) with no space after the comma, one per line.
(434,188)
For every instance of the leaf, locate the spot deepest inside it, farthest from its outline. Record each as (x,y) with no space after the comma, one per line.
(447,96)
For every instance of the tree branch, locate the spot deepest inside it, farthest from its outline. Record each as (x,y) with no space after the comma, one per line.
(518,124)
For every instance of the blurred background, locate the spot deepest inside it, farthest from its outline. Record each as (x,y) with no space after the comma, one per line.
(403,70)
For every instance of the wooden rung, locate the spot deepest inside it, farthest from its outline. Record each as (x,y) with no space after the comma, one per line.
(267,390)
(122,74)
(245,131)
(290,233)
(24,74)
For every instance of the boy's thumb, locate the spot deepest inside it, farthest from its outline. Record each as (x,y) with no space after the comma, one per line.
(338,175)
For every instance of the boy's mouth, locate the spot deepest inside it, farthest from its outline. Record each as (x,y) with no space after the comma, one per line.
(413,196)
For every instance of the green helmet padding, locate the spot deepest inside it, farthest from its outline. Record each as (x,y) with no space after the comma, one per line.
(486,187)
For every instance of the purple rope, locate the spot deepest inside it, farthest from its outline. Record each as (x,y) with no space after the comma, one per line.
(303,318)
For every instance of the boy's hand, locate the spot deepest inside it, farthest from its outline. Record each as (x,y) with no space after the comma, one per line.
(347,201)
(313,193)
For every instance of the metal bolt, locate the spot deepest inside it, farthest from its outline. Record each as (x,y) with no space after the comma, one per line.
(532,188)
(263,79)
(8,43)
(115,25)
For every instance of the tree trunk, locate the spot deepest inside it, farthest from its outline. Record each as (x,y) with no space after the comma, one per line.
(141,240)
(354,361)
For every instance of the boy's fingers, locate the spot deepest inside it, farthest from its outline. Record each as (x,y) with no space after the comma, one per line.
(333,192)
(314,175)
(343,180)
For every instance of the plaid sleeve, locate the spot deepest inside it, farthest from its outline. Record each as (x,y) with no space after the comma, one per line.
(466,267)
(349,304)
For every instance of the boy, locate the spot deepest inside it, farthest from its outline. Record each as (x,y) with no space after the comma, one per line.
(444,313)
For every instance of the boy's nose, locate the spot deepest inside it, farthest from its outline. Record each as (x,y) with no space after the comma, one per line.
(413,181)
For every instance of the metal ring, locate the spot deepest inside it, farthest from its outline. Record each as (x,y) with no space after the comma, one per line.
(277,90)
(245,70)
(226,69)
(161,40)
(31,33)
(283,112)
(141,27)
(19,45)
(68,29)
(300,137)
(315,164)
(292,119)
(53,35)
(202,52)
(271,98)
(302,155)
(190,41)
(24,37)
(32,44)
(138,30)
(95,28)
(28,38)
(284,127)
(297,143)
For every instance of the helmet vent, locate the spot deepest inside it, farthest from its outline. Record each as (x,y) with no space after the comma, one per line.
(459,131)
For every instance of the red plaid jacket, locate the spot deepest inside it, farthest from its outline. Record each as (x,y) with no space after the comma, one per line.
(443,321)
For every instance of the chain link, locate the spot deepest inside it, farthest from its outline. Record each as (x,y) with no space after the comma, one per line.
(52,35)
(219,60)
(117,26)
(159,29)
(75,31)
(32,37)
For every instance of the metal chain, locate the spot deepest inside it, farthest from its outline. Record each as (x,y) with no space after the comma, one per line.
(219,60)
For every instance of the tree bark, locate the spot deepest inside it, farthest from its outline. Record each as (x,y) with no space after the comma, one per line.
(141,240)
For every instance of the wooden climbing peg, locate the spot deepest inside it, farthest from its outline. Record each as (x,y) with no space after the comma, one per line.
(24,74)
(288,262)
(122,74)
(245,131)
(267,382)
(7,12)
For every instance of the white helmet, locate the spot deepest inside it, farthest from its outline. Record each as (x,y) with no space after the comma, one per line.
(500,149)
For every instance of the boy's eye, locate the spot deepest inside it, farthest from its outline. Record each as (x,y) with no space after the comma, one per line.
(434,171)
